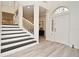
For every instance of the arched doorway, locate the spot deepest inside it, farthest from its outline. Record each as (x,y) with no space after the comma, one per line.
(61,17)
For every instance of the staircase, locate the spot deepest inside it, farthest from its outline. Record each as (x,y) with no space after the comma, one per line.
(14,39)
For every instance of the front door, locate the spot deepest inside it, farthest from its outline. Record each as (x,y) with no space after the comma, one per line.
(62,29)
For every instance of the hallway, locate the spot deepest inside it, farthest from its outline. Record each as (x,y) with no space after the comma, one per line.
(47,49)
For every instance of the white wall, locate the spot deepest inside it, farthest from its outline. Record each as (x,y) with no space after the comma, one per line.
(74,35)
(8,7)
(74,22)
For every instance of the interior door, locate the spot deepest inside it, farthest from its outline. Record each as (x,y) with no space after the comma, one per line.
(62,29)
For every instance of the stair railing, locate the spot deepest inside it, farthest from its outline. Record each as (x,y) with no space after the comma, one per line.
(28,25)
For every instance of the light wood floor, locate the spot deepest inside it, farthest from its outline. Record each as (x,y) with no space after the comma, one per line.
(47,49)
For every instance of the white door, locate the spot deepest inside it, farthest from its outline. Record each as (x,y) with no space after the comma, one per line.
(61,26)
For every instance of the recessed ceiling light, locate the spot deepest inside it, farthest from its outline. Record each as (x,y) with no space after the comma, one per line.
(28,7)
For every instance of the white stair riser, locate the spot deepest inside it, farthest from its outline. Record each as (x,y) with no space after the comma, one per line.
(14,44)
(9,25)
(14,39)
(14,35)
(5,32)
(10,28)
